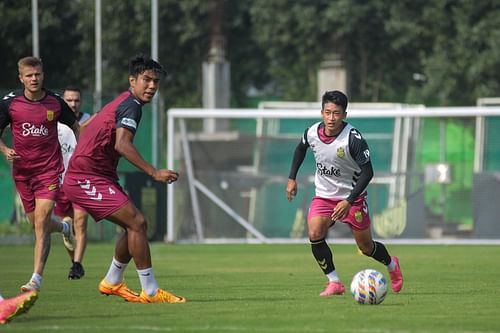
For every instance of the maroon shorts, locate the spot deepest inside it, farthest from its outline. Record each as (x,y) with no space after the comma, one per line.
(99,196)
(44,186)
(63,206)
(358,217)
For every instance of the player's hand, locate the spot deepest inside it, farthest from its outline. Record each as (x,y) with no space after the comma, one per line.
(10,154)
(341,210)
(291,189)
(165,175)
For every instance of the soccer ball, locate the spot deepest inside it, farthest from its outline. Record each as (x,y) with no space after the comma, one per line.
(369,287)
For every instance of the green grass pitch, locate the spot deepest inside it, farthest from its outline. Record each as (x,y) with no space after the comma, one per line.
(262,288)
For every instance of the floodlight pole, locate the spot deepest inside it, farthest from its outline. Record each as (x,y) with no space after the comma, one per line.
(98,57)
(34,28)
(154,104)
(216,78)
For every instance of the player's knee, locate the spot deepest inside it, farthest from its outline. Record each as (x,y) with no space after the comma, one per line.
(366,248)
(316,234)
(140,223)
(40,225)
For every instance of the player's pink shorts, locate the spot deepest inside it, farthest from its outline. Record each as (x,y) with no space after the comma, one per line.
(44,186)
(99,196)
(358,216)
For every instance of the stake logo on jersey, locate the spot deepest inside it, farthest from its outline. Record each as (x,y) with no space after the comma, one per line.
(66,148)
(327,171)
(33,130)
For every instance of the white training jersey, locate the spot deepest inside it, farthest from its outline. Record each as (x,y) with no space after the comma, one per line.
(336,170)
(67,140)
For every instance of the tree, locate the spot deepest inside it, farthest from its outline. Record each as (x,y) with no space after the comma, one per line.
(464,62)
(293,41)
(435,51)
(59,41)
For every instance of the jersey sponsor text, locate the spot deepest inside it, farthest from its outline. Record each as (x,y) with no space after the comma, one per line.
(33,130)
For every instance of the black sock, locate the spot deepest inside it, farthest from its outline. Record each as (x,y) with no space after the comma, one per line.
(323,255)
(380,253)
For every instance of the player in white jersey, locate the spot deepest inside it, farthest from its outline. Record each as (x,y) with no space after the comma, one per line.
(63,208)
(67,140)
(343,171)
(73,97)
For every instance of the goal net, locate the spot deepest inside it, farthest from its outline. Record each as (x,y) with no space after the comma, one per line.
(232,181)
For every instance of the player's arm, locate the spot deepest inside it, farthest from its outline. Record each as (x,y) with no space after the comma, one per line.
(125,147)
(298,158)
(9,153)
(361,155)
(86,123)
(364,179)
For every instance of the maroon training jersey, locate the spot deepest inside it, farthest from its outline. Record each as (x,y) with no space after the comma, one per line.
(34,132)
(95,152)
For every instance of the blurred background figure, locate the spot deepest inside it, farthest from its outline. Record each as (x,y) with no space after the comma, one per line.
(73,97)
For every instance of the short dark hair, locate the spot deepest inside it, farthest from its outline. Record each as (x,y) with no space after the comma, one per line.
(141,63)
(336,97)
(72,88)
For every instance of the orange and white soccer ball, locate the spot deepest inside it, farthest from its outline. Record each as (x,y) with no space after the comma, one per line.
(369,287)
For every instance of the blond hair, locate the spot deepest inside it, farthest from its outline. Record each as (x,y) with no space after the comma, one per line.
(29,62)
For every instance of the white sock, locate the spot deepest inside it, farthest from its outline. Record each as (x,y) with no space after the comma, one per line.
(1,298)
(333,277)
(391,266)
(115,272)
(148,281)
(37,278)
(65,227)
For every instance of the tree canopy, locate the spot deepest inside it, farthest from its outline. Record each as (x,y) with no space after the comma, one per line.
(435,52)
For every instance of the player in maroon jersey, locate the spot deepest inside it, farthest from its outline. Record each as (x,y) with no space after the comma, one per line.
(91,181)
(32,114)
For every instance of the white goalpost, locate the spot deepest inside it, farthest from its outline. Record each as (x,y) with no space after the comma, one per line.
(229,188)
